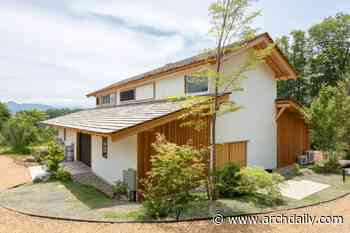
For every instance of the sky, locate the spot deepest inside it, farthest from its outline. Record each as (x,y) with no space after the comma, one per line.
(55,52)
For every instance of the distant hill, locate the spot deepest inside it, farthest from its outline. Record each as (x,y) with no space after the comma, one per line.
(16,107)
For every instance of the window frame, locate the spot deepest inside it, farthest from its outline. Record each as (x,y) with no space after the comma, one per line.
(105,147)
(127,100)
(64,134)
(103,100)
(186,77)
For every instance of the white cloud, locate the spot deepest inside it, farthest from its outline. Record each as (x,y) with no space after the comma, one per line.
(50,57)
(189,18)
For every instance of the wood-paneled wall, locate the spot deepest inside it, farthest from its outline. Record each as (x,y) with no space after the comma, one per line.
(293,138)
(233,152)
(174,133)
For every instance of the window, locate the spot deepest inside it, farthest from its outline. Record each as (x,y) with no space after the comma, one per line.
(196,84)
(106,99)
(64,134)
(97,100)
(104,147)
(127,95)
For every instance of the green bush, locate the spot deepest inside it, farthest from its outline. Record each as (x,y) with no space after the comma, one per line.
(175,172)
(54,157)
(254,180)
(120,189)
(23,130)
(40,154)
(227,180)
(62,175)
(331,165)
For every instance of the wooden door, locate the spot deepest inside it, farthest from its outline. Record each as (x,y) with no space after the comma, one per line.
(85,148)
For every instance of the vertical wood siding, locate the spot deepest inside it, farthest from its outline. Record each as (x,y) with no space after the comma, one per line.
(174,133)
(293,138)
(233,152)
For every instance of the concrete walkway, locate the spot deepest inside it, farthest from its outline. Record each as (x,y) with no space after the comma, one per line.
(301,189)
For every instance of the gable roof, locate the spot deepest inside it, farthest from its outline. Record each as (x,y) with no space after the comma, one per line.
(278,62)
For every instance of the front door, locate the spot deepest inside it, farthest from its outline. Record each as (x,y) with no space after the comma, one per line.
(85,148)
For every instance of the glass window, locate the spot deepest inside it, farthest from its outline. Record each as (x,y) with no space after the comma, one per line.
(104,147)
(106,99)
(196,84)
(64,134)
(127,95)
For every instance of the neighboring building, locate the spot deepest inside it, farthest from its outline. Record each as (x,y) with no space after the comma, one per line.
(118,133)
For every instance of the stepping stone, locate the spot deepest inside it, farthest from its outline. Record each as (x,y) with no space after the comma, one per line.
(38,173)
(301,189)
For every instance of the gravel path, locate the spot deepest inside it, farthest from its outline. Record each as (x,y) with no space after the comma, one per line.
(10,222)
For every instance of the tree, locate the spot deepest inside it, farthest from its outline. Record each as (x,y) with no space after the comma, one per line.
(24,129)
(230,21)
(321,56)
(57,112)
(175,172)
(4,114)
(329,116)
(297,50)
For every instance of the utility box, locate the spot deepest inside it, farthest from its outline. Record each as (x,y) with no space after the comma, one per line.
(69,153)
(129,178)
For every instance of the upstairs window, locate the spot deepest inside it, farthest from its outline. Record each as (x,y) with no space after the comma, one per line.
(106,99)
(196,84)
(127,95)
(104,147)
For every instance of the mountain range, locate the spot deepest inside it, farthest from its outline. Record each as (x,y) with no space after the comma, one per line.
(16,107)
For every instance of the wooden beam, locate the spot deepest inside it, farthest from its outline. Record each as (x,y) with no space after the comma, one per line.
(281,112)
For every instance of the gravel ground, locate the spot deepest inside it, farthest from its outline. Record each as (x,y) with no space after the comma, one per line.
(10,222)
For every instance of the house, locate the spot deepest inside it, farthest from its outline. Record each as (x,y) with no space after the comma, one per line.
(117,134)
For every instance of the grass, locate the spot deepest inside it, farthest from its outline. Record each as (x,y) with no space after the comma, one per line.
(6,150)
(88,195)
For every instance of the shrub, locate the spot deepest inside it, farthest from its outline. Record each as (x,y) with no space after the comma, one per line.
(176,171)
(254,180)
(120,189)
(62,175)
(332,164)
(18,133)
(40,154)
(54,157)
(227,180)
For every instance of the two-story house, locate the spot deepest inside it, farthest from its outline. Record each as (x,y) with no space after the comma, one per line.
(118,133)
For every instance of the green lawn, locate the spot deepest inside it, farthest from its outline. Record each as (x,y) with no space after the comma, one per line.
(5,150)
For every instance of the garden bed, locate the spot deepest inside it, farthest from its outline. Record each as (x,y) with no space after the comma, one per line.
(76,201)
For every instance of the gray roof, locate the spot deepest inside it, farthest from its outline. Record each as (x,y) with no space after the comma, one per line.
(112,119)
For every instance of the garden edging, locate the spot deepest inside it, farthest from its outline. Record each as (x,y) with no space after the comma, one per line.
(157,221)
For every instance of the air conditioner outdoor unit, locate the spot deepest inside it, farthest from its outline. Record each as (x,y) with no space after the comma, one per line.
(302,160)
(310,156)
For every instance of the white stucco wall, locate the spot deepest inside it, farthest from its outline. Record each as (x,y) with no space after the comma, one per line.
(71,138)
(145,92)
(121,156)
(256,121)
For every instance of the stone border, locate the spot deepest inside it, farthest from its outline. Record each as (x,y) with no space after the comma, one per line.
(158,221)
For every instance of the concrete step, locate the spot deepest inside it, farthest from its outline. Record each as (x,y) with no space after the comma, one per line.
(94,181)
